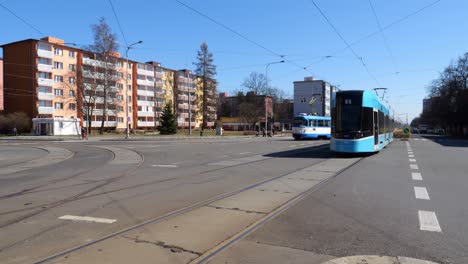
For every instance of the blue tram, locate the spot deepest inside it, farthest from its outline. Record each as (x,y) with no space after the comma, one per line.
(360,123)
(311,127)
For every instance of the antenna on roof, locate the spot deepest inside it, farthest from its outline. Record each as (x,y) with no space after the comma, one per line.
(383,93)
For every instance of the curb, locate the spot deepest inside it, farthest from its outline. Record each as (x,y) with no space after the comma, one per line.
(374,259)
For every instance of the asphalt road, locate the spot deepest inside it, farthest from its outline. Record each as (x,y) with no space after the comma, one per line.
(372,209)
(99,182)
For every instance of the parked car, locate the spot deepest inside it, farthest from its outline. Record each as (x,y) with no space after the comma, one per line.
(440,131)
(414,130)
(431,131)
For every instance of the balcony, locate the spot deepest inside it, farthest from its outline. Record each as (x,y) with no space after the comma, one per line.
(88,61)
(45,53)
(45,82)
(145,103)
(145,82)
(184,115)
(98,123)
(182,106)
(145,72)
(44,67)
(145,93)
(45,96)
(211,108)
(145,123)
(45,110)
(98,112)
(146,114)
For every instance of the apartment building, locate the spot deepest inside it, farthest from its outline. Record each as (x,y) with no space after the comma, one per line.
(48,79)
(1,84)
(312,96)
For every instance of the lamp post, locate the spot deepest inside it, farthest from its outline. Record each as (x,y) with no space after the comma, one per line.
(126,88)
(268,88)
(189,106)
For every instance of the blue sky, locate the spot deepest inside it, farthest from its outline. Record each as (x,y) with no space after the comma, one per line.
(422,45)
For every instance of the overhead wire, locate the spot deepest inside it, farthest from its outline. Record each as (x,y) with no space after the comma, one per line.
(282,57)
(22,20)
(384,38)
(359,58)
(386,27)
(118,22)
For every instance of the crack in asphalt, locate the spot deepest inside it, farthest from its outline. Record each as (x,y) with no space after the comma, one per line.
(172,248)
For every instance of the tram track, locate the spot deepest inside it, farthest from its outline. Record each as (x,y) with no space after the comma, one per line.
(197,205)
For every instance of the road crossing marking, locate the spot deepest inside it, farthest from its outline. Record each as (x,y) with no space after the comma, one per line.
(421,193)
(414,166)
(416,176)
(428,221)
(292,146)
(424,139)
(244,153)
(87,219)
(165,166)
(412,160)
(416,139)
(410,155)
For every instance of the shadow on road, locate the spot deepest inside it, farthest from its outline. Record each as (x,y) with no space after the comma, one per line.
(321,151)
(448,141)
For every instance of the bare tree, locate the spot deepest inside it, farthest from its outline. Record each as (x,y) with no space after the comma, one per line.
(257,83)
(249,113)
(206,70)
(100,74)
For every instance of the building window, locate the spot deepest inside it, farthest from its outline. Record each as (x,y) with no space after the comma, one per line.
(58,65)
(58,105)
(129,87)
(120,119)
(58,92)
(129,109)
(71,54)
(58,51)
(129,98)
(129,65)
(120,86)
(45,103)
(58,78)
(72,106)
(120,75)
(119,108)
(71,93)
(71,80)
(71,67)
(120,98)
(129,76)
(119,63)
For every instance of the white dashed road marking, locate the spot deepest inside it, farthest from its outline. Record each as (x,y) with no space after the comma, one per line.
(424,139)
(428,221)
(165,166)
(412,160)
(416,176)
(416,139)
(243,153)
(414,167)
(421,193)
(292,146)
(410,155)
(87,219)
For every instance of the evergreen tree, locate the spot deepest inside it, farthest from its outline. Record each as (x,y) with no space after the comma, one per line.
(168,122)
(206,70)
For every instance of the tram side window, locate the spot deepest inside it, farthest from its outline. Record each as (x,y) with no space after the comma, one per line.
(320,123)
(381,123)
(367,125)
(327,123)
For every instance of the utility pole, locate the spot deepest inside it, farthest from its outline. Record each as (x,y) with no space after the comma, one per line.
(267,87)
(127,132)
(189,107)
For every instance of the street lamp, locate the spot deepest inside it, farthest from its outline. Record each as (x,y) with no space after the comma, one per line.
(126,88)
(267,87)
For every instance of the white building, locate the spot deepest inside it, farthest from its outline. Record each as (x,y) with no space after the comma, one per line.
(312,97)
(56,126)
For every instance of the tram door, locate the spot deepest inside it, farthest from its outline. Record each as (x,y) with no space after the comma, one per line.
(376,129)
